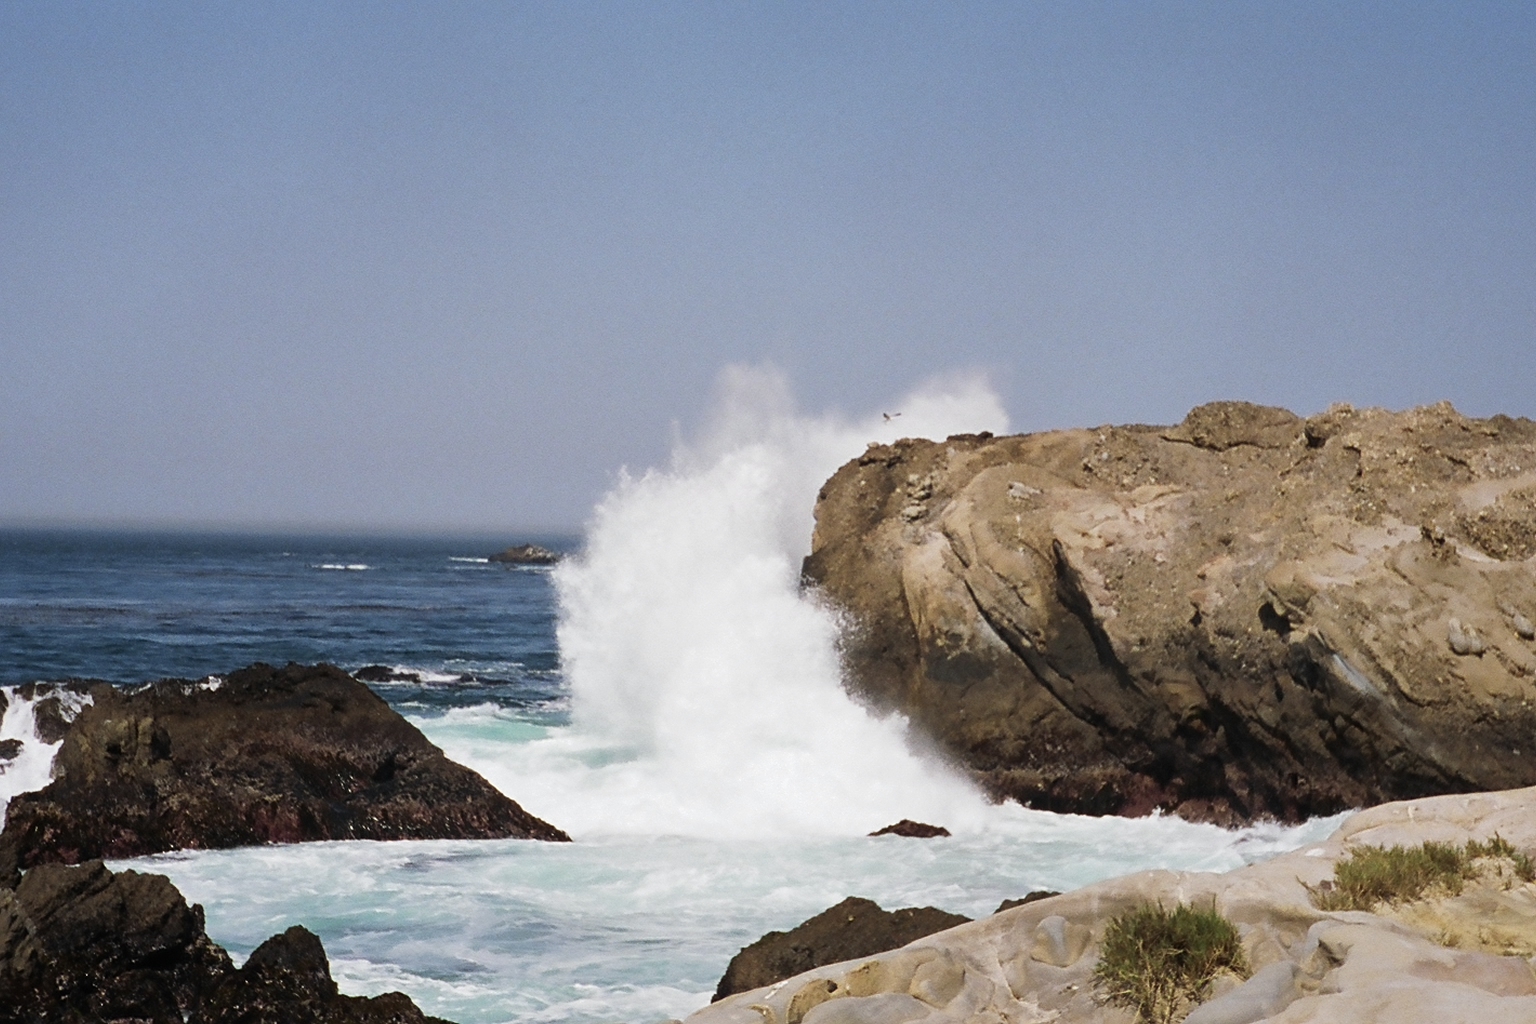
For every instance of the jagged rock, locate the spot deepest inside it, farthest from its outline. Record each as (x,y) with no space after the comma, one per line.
(1029,897)
(266,756)
(82,944)
(287,980)
(526,554)
(855,927)
(1442,960)
(10,749)
(1247,615)
(912,830)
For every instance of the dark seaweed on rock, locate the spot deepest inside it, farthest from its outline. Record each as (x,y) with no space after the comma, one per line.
(269,756)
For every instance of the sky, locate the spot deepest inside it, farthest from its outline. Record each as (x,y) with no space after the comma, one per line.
(450,266)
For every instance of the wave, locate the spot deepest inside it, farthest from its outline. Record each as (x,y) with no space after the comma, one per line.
(29,766)
(463,558)
(706,692)
(343,567)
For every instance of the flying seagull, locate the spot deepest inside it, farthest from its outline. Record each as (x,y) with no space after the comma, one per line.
(890,416)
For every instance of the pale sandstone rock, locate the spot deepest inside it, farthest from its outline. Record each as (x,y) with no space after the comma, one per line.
(1310,966)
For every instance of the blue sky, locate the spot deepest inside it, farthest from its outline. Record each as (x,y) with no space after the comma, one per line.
(449,266)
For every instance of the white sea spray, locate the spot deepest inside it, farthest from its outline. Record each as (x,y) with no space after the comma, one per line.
(32,767)
(706,690)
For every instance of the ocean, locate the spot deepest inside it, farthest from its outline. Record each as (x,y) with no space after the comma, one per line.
(667,695)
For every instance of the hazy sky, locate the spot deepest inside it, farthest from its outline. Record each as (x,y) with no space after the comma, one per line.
(451,265)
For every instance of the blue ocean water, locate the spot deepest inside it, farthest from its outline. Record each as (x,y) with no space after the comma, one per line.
(129,607)
(717,782)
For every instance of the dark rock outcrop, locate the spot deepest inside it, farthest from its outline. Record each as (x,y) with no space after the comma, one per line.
(82,945)
(269,756)
(1030,897)
(287,980)
(526,554)
(1250,614)
(854,928)
(912,830)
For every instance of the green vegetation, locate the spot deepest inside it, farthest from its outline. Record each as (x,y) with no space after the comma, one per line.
(1160,963)
(1400,874)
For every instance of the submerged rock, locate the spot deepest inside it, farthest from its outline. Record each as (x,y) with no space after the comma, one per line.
(855,927)
(266,755)
(85,944)
(1445,958)
(1248,615)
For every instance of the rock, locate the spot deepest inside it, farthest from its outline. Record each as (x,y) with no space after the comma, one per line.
(1248,615)
(855,927)
(55,705)
(266,756)
(1443,959)
(1032,897)
(10,749)
(912,830)
(526,554)
(1464,639)
(84,944)
(288,979)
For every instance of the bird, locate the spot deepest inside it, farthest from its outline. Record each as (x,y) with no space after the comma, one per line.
(890,416)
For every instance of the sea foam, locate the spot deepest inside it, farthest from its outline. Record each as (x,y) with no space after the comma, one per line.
(707,696)
(32,766)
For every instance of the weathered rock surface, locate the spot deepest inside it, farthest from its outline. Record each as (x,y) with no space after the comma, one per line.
(1250,614)
(268,756)
(855,927)
(526,554)
(1461,960)
(84,944)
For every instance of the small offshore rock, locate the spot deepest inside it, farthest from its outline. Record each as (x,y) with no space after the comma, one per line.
(1464,639)
(10,749)
(912,830)
(526,554)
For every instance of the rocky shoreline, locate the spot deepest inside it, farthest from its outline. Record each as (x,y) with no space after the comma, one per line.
(1248,615)
(1464,958)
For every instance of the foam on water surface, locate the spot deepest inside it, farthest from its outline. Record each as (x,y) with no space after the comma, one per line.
(640,928)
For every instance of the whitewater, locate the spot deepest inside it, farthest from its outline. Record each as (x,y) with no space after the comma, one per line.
(673,700)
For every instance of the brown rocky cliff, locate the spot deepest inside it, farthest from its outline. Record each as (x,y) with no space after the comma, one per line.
(1246,615)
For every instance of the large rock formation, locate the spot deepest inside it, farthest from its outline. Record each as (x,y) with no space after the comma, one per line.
(266,756)
(1248,614)
(1462,959)
(855,927)
(81,945)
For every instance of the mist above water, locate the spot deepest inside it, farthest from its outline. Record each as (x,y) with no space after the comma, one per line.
(707,695)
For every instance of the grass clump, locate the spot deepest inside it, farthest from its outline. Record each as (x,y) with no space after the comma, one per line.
(1375,875)
(1160,962)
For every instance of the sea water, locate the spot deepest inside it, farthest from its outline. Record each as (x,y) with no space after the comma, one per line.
(667,695)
